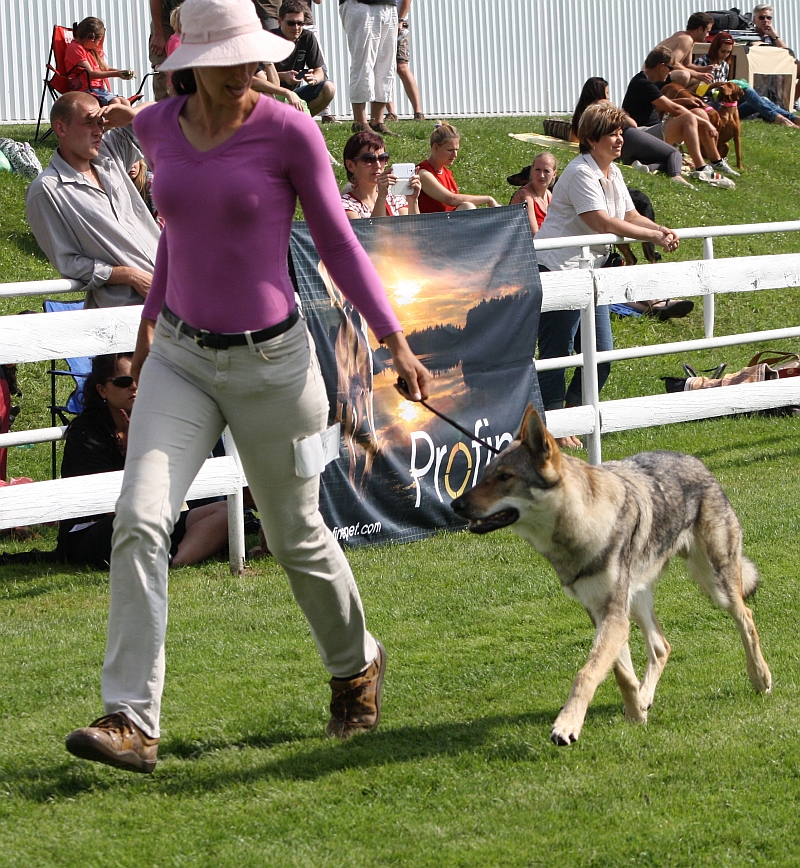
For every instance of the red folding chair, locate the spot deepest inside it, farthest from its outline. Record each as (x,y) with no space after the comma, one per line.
(56,81)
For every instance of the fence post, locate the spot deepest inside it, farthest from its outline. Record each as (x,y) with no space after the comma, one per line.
(591,391)
(708,300)
(235,514)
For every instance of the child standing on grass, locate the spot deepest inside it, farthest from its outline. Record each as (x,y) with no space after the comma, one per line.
(87,69)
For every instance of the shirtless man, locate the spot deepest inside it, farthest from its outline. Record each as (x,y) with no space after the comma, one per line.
(685,72)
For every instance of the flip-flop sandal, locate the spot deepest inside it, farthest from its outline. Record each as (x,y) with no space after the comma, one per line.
(670,309)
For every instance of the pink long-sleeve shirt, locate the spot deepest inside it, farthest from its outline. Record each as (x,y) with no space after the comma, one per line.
(222,257)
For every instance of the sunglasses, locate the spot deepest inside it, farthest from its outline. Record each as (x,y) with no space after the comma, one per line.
(293,23)
(121,382)
(371,159)
(765,18)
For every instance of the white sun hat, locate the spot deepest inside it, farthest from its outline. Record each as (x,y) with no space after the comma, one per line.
(224,33)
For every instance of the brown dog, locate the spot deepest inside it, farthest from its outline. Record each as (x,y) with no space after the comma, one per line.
(725,119)
(730,126)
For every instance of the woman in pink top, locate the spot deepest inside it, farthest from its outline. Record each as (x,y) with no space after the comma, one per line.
(439,188)
(222,342)
(85,61)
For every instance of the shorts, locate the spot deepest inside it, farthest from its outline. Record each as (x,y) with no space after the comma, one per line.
(403,53)
(309,92)
(656,130)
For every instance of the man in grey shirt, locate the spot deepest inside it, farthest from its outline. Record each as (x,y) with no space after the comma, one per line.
(84,210)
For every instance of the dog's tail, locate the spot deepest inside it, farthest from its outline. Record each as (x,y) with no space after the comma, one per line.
(750,578)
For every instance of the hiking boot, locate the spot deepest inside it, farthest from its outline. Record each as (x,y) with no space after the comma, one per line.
(383,130)
(356,701)
(723,167)
(116,740)
(359,127)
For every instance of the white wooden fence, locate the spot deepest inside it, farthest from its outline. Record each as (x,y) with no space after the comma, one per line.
(81,333)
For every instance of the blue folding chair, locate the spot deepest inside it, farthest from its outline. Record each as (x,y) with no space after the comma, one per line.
(79,369)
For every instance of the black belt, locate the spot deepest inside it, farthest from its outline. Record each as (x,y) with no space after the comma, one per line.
(212,341)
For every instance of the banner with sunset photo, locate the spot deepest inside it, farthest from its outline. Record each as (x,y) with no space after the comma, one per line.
(465,286)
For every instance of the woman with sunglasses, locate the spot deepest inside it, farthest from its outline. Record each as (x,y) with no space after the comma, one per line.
(371,181)
(97,442)
(222,342)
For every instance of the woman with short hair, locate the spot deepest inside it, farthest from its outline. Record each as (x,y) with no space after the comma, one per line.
(590,198)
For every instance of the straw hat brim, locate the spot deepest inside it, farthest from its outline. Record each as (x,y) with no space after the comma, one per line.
(258,47)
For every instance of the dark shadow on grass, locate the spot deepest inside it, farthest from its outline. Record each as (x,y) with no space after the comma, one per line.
(27,245)
(523,738)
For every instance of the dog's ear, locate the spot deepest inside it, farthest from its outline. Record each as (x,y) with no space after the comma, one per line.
(533,433)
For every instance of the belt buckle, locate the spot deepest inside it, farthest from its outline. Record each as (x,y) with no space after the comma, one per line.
(200,339)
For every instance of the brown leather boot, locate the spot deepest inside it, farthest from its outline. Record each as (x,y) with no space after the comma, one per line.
(356,702)
(114,739)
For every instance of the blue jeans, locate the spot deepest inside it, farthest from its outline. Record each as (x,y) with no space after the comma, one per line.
(753,103)
(559,334)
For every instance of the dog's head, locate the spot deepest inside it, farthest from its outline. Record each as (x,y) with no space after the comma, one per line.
(517,481)
(729,92)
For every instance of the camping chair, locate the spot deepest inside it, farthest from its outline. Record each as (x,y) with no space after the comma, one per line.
(79,369)
(55,77)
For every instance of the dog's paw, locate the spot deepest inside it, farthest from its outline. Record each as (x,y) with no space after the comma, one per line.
(636,714)
(565,731)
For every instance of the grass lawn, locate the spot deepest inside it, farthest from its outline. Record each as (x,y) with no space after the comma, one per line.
(481,641)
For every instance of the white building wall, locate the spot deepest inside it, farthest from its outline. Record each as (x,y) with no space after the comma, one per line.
(470,57)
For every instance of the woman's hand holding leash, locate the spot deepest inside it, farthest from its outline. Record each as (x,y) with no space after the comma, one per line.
(408,367)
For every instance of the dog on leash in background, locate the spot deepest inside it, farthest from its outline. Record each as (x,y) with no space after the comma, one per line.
(727,96)
(725,116)
(610,532)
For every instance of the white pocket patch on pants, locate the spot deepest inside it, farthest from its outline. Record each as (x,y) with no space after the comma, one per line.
(312,454)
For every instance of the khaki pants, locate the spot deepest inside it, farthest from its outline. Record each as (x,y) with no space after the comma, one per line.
(269,394)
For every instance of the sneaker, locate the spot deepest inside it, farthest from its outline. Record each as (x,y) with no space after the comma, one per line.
(359,127)
(711,177)
(114,739)
(723,167)
(356,701)
(383,130)
(418,116)
(640,167)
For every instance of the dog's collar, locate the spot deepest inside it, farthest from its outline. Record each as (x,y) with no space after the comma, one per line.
(730,104)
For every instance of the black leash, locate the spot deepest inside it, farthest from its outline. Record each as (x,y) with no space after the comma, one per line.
(402,387)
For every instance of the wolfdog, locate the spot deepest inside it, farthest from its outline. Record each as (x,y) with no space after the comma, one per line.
(610,532)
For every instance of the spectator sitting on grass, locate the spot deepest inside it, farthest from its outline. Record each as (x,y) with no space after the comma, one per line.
(371,180)
(84,210)
(751,103)
(536,193)
(643,101)
(439,188)
(96,442)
